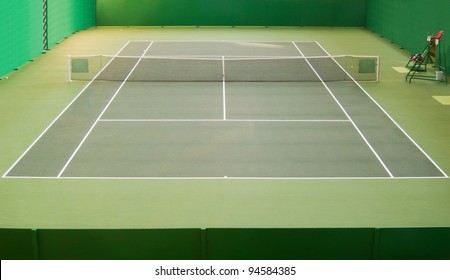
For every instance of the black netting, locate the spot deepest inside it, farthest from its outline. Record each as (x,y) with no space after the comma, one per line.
(229,69)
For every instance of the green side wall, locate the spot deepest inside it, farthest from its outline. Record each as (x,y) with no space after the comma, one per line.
(408,22)
(231,13)
(21,34)
(21,37)
(220,244)
(68,16)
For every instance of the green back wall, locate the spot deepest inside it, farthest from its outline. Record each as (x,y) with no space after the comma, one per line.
(231,12)
(408,22)
(21,33)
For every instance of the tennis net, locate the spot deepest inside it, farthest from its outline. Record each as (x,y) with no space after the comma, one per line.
(229,69)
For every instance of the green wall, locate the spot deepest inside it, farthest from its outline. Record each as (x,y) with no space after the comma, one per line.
(404,22)
(68,16)
(408,22)
(16,244)
(21,37)
(290,244)
(219,244)
(21,33)
(231,12)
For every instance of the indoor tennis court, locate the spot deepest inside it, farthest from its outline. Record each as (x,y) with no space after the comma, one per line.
(252,129)
(225,117)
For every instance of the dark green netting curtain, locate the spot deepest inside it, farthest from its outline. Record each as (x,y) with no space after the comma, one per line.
(231,12)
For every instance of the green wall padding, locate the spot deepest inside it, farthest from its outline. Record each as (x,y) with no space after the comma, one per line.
(290,244)
(231,13)
(21,33)
(414,244)
(68,16)
(164,244)
(16,244)
(235,244)
(408,22)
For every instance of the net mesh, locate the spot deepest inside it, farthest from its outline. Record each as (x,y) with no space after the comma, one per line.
(230,69)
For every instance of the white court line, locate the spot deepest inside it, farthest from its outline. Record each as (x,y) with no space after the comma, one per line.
(348,116)
(217,41)
(65,109)
(224,178)
(216,120)
(101,114)
(384,111)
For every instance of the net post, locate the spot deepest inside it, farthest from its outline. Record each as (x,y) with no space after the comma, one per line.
(223,68)
(69,69)
(224,96)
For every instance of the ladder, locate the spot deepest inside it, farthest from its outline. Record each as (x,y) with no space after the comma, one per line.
(418,62)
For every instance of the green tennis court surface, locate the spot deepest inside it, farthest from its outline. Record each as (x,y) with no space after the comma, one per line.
(224,110)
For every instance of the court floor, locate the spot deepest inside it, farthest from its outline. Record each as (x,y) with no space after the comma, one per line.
(36,124)
(317,128)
